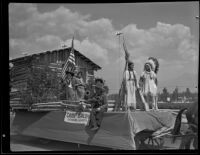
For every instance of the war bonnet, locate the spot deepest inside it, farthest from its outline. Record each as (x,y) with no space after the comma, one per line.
(151,64)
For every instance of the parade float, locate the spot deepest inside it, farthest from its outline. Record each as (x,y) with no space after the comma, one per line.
(37,95)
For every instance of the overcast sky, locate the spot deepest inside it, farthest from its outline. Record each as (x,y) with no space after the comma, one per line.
(168,31)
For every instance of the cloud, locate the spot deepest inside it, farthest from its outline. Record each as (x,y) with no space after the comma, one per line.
(169,42)
(173,45)
(32,31)
(33,45)
(96,53)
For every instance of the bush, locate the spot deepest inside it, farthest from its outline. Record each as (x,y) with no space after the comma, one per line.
(45,85)
(160,105)
(173,105)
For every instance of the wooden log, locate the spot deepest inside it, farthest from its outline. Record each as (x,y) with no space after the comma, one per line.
(38,110)
(14,102)
(16,99)
(47,106)
(75,105)
(57,68)
(14,96)
(20,75)
(18,83)
(21,65)
(20,108)
(47,103)
(14,81)
(18,105)
(20,70)
(20,79)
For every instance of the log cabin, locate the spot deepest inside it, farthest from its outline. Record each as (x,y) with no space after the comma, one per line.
(22,67)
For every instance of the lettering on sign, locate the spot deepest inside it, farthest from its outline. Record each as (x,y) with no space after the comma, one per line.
(78,118)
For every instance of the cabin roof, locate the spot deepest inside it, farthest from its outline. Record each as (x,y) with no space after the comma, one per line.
(96,67)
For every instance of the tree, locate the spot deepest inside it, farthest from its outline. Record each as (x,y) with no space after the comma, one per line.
(44,84)
(164,95)
(175,94)
(187,93)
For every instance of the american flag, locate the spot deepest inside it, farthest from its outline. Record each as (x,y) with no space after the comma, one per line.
(70,62)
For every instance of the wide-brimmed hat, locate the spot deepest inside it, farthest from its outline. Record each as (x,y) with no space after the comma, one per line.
(130,62)
(99,79)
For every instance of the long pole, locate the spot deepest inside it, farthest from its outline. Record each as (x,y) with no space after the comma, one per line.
(118,34)
(117,105)
(197,17)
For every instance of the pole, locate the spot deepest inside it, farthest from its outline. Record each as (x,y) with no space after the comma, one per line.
(118,34)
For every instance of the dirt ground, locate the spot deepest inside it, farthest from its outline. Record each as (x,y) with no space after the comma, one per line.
(27,143)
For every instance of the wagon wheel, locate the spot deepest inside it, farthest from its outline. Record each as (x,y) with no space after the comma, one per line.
(157,143)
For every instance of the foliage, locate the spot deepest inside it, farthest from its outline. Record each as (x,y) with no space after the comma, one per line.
(45,85)
(187,93)
(164,95)
(173,105)
(160,105)
(174,95)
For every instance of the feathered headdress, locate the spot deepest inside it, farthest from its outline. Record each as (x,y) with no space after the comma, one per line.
(156,63)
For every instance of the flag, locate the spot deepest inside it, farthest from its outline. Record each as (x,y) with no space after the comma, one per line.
(70,62)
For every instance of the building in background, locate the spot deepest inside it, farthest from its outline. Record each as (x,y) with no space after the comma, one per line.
(36,77)
(56,58)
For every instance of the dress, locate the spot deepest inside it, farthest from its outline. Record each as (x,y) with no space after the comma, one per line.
(130,97)
(148,83)
(79,88)
(70,94)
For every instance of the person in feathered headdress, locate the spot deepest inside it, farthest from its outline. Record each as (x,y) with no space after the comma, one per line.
(148,81)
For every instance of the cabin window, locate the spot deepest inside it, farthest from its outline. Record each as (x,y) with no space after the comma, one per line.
(89,75)
(90,72)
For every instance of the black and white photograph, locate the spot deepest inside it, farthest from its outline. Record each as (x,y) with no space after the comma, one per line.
(92,77)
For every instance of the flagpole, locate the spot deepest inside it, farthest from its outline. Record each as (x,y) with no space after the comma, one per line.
(119,34)
(117,105)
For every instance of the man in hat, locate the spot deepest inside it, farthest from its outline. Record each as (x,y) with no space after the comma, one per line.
(99,104)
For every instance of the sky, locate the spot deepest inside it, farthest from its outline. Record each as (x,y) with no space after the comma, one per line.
(168,31)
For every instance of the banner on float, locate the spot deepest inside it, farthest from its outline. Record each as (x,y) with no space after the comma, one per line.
(78,118)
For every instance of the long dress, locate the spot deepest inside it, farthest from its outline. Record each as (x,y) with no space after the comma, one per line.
(148,83)
(130,97)
(70,94)
(79,88)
